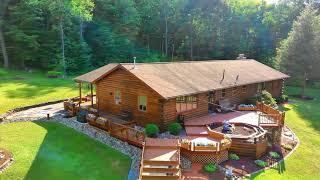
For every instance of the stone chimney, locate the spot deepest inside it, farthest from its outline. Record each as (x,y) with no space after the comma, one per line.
(241,56)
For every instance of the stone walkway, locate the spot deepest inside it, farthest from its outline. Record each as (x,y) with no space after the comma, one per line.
(53,110)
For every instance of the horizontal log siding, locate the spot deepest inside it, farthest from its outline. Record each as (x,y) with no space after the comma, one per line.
(130,88)
(170,112)
(274,87)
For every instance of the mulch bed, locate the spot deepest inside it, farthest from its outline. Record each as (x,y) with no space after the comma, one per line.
(6,159)
(250,166)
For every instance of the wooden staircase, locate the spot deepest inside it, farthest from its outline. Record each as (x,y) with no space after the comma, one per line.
(156,164)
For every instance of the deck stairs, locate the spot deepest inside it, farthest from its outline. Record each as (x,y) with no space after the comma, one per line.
(160,162)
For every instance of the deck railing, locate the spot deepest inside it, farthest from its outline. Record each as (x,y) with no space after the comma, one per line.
(270,116)
(121,131)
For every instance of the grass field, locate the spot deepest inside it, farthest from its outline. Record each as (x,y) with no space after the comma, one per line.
(18,89)
(54,151)
(303,117)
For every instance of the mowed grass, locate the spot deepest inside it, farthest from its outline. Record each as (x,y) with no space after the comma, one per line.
(50,150)
(303,117)
(18,89)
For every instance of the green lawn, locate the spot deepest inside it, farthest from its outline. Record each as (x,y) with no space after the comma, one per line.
(53,151)
(303,117)
(18,89)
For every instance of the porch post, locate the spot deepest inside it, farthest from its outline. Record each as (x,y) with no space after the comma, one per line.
(91,95)
(80,98)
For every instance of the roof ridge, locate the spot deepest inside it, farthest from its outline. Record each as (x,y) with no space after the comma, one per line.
(193,61)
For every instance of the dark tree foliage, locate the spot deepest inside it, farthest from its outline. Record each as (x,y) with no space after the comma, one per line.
(76,36)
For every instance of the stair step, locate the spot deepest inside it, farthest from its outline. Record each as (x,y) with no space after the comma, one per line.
(160,170)
(161,166)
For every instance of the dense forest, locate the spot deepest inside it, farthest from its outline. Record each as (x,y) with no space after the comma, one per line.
(74,36)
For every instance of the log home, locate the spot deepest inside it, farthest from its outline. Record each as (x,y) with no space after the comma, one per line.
(160,92)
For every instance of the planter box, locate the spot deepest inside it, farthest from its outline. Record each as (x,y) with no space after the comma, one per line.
(247,108)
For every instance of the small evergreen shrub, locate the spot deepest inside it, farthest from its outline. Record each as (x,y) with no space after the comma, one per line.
(174,128)
(210,168)
(81,117)
(252,100)
(267,98)
(260,163)
(274,155)
(283,98)
(54,74)
(233,156)
(152,130)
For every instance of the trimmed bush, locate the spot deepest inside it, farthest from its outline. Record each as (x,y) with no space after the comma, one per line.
(283,98)
(81,117)
(267,98)
(252,100)
(54,74)
(260,163)
(210,168)
(174,128)
(152,130)
(274,155)
(233,156)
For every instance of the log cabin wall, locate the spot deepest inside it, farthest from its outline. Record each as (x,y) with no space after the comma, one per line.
(235,96)
(130,88)
(170,111)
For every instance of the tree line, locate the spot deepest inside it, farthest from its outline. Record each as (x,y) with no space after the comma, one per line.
(74,36)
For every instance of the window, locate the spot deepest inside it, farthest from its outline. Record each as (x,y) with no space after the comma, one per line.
(117,96)
(223,93)
(259,88)
(142,103)
(186,103)
(244,89)
(234,91)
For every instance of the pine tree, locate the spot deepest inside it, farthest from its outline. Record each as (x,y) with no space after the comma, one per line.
(299,53)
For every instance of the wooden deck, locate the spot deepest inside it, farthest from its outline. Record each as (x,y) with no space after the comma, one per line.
(160,160)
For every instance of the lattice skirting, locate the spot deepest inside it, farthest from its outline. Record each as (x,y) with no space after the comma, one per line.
(205,157)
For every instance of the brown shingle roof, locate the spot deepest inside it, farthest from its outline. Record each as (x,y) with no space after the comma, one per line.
(191,77)
(96,74)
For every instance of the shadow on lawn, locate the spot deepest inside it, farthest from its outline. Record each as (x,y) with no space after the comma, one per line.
(67,154)
(30,89)
(280,167)
(309,110)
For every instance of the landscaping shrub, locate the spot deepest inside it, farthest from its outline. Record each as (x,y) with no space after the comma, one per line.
(152,130)
(283,98)
(81,117)
(54,74)
(287,147)
(274,155)
(252,100)
(267,98)
(210,168)
(260,163)
(233,156)
(175,128)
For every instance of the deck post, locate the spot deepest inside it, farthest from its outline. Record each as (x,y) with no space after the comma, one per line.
(91,95)
(80,98)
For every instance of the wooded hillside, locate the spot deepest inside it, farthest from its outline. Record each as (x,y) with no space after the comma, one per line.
(78,35)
